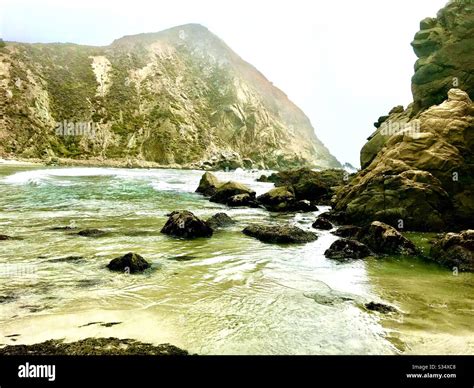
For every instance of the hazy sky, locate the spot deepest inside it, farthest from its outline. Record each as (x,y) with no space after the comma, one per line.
(345,63)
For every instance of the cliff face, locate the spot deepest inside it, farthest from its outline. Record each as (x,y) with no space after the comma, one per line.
(423,178)
(418,166)
(178,97)
(445,47)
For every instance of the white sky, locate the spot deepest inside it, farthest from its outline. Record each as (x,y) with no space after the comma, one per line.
(345,63)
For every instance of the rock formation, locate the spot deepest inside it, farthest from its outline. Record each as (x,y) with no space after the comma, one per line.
(423,177)
(455,250)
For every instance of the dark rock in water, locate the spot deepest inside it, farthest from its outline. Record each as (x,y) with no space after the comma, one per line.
(219,220)
(344,249)
(4,237)
(92,233)
(103,324)
(227,190)
(380,307)
(347,231)
(311,185)
(86,283)
(322,223)
(7,298)
(62,228)
(455,250)
(68,259)
(385,239)
(130,263)
(305,206)
(93,347)
(182,258)
(186,224)
(337,217)
(242,200)
(263,178)
(280,234)
(110,324)
(208,184)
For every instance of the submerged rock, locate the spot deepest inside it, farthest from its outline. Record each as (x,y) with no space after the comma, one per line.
(186,224)
(220,220)
(208,184)
(67,259)
(385,239)
(380,307)
(7,298)
(322,223)
(344,249)
(4,237)
(455,250)
(130,263)
(280,234)
(183,258)
(62,228)
(278,199)
(93,347)
(92,233)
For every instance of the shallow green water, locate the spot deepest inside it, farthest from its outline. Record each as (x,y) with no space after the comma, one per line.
(230,294)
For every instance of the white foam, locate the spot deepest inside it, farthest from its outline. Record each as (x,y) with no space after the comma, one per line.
(159,179)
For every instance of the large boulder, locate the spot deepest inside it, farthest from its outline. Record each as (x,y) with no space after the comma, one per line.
(345,249)
(242,200)
(129,263)
(208,184)
(185,224)
(230,189)
(384,239)
(281,234)
(307,184)
(322,223)
(423,176)
(444,46)
(282,199)
(455,250)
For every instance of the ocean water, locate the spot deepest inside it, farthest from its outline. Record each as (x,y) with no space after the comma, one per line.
(229,294)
